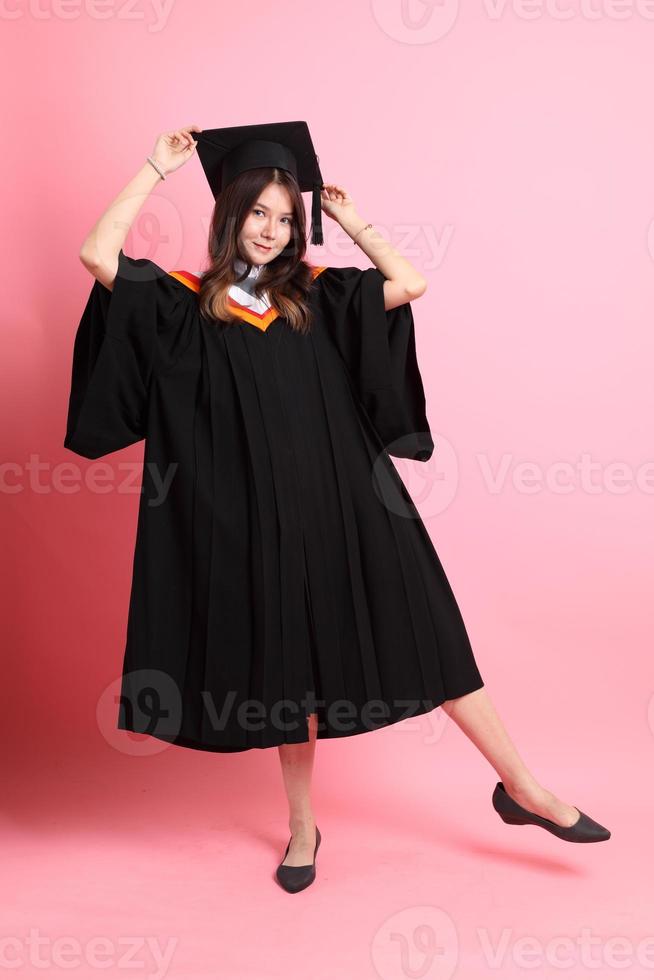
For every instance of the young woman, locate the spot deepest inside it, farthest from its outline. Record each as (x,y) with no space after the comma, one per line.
(284,587)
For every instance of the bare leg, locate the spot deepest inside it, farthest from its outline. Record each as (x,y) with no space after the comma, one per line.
(297,768)
(476,716)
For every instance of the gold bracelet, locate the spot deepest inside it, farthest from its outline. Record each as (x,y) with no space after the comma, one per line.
(359,232)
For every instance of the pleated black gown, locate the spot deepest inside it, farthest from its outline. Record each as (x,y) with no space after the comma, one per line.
(280,565)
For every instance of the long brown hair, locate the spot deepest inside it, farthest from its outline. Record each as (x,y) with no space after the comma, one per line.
(287,278)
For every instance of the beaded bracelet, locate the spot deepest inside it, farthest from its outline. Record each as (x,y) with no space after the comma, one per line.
(156,167)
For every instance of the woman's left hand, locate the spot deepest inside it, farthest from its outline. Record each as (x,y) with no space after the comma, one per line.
(336,202)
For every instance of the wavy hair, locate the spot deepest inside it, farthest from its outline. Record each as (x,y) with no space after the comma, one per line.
(287,278)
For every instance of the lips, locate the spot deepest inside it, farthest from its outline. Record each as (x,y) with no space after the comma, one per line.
(265,248)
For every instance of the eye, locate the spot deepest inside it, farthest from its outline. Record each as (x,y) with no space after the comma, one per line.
(259,211)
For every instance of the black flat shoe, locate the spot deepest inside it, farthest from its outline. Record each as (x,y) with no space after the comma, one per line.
(295,879)
(584,831)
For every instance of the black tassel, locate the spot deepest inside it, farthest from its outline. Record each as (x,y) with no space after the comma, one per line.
(316,217)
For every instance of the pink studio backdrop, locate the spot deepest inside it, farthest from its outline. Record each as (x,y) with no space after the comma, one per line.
(508,151)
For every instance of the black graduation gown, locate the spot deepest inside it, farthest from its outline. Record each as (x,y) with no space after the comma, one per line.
(285,569)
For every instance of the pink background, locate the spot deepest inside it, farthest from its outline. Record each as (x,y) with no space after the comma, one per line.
(508,151)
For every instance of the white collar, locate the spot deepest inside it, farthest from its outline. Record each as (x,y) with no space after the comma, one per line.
(243,292)
(241,266)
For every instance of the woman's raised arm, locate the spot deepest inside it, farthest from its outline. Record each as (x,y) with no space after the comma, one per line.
(403,281)
(102,245)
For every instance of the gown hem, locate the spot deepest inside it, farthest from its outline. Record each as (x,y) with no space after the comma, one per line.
(426,706)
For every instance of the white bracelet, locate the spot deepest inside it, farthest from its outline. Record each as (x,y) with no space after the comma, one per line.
(156,167)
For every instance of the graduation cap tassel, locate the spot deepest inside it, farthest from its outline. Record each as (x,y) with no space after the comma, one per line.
(316,217)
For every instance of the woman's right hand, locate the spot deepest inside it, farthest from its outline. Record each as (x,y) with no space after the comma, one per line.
(172,150)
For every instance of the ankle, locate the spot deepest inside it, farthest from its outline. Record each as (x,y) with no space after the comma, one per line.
(522,786)
(305,823)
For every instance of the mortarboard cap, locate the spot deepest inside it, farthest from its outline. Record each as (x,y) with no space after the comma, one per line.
(226,153)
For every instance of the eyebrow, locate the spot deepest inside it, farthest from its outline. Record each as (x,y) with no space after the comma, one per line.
(286,214)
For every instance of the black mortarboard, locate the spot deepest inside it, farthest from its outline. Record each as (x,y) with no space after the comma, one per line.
(226,153)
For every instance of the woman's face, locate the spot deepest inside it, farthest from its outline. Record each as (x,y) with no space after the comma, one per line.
(269,224)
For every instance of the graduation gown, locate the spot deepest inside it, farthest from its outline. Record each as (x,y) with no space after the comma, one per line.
(280,565)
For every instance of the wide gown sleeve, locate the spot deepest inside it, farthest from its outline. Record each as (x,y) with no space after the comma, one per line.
(124,335)
(379,349)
